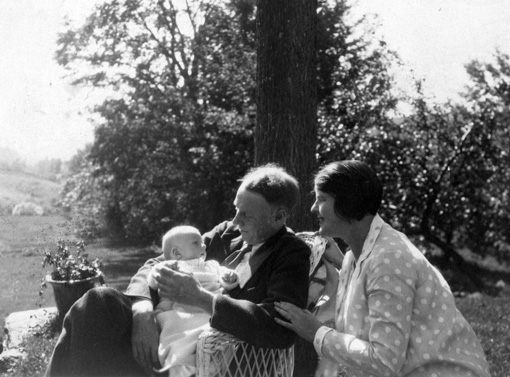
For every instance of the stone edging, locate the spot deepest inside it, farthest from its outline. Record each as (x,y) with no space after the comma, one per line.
(18,326)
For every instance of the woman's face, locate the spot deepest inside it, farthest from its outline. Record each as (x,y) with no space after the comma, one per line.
(331,225)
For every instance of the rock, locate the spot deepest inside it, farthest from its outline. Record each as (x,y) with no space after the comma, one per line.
(20,324)
(10,358)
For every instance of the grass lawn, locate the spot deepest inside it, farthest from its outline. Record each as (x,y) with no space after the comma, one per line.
(490,318)
(21,238)
(17,187)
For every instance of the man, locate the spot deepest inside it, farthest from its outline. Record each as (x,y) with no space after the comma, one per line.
(108,333)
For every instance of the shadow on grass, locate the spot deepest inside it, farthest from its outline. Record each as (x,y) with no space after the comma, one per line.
(476,276)
(121,260)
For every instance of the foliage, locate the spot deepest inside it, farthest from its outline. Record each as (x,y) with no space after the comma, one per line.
(354,81)
(67,266)
(84,197)
(488,111)
(445,168)
(27,209)
(39,346)
(183,106)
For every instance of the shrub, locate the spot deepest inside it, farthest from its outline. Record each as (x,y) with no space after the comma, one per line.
(27,209)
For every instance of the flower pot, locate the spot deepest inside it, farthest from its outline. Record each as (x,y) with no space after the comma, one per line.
(67,292)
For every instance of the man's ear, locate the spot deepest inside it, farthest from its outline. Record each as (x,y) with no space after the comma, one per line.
(176,254)
(281,215)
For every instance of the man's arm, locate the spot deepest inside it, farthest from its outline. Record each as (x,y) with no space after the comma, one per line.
(138,286)
(145,334)
(287,281)
(145,331)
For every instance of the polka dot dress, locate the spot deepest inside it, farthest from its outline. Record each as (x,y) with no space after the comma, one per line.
(396,316)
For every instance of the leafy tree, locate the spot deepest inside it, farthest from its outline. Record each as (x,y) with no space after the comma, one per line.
(355,85)
(488,111)
(456,166)
(444,171)
(178,131)
(85,198)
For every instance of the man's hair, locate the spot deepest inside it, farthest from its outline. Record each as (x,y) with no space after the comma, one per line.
(354,185)
(273,182)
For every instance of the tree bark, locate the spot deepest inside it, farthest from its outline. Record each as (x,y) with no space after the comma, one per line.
(286,129)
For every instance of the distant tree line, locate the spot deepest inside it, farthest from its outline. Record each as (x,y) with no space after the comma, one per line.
(178,131)
(49,168)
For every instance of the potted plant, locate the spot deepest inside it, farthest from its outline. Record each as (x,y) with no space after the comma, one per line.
(72,274)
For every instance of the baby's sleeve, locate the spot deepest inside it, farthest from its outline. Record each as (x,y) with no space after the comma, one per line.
(150,279)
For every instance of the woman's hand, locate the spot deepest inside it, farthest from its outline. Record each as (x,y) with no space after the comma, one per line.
(301,321)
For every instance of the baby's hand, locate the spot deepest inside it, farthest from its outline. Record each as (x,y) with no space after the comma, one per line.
(229,279)
(230,276)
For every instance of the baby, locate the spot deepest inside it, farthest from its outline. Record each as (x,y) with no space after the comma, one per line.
(181,324)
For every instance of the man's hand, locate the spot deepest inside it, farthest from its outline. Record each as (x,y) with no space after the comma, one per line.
(145,335)
(183,288)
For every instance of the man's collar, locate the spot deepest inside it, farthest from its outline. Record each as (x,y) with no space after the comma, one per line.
(276,236)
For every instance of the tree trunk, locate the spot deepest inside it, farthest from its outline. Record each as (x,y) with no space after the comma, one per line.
(286,130)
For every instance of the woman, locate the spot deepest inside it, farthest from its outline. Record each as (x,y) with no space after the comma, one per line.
(394,313)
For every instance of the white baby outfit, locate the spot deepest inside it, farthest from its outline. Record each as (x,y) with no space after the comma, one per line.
(182,324)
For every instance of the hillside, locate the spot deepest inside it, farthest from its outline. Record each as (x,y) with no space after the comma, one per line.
(9,157)
(17,187)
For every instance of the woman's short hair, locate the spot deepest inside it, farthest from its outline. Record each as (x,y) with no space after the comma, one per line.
(354,185)
(273,182)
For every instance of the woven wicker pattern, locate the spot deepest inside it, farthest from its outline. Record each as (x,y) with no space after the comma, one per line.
(223,355)
(317,244)
(220,354)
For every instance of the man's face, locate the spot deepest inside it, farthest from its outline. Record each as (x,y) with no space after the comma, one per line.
(255,217)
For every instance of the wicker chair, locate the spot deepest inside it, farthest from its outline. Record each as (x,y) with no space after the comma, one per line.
(220,354)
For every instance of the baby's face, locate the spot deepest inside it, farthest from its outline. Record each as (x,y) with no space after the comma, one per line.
(190,246)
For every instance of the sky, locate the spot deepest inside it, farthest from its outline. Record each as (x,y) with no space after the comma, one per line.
(436,38)
(43,116)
